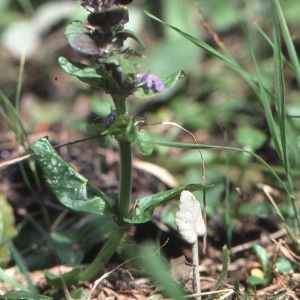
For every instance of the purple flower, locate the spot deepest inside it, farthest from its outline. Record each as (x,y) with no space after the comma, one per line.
(159,86)
(150,79)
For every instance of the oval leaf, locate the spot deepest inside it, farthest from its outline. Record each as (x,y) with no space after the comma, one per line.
(78,37)
(142,140)
(144,207)
(77,68)
(90,75)
(143,91)
(189,218)
(71,189)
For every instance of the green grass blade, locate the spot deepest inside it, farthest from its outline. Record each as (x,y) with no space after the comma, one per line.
(288,41)
(20,80)
(272,45)
(15,284)
(213,147)
(228,61)
(208,49)
(281,102)
(223,274)
(23,268)
(280,94)
(265,101)
(16,123)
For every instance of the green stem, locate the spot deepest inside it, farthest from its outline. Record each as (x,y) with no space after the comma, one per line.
(104,255)
(119,101)
(125,166)
(125,180)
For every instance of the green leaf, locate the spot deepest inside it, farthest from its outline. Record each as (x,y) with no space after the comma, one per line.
(254,280)
(143,91)
(20,295)
(262,257)
(90,75)
(250,137)
(71,189)
(123,129)
(70,278)
(78,36)
(144,207)
(125,33)
(284,265)
(141,140)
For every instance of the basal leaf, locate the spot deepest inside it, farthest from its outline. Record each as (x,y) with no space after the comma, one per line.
(78,36)
(143,91)
(144,207)
(71,189)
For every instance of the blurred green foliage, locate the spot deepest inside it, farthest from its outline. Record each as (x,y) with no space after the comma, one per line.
(213,102)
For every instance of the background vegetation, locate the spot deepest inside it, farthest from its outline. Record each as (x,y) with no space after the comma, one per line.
(217,104)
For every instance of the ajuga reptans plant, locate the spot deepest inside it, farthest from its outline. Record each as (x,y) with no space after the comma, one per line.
(111,69)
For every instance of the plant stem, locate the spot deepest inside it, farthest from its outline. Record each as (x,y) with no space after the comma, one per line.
(197,284)
(125,180)
(125,166)
(104,255)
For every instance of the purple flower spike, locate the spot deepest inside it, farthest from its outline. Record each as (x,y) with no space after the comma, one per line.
(159,86)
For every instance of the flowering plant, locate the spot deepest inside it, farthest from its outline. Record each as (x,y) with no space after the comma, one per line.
(102,39)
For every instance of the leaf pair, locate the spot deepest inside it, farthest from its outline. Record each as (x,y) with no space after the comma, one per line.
(77,193)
